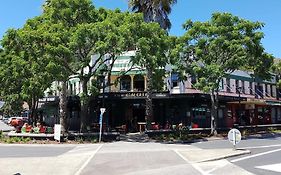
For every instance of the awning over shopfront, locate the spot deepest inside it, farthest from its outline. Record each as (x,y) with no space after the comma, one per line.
(258,102)
(273,103)
(255,102)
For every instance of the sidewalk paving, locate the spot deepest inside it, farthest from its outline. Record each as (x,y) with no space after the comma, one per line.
(204,155)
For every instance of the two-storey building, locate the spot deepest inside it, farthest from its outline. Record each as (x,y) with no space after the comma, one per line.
(242,99)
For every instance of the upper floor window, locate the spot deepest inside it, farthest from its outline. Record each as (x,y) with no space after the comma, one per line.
(238,88)
(259,91)
(175,79)
(251,88)
(193,80)
(228,89)
(267,90)
(125,83)
(271,91)
(221,87)
(243,87)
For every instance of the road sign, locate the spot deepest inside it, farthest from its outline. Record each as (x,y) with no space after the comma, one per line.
(234,136)
(57,132)
(102,110)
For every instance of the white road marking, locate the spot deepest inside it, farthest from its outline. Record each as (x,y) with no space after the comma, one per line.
(87,161)
(265,146)
(218,167)
(272,167)
(194,165)
(255,155)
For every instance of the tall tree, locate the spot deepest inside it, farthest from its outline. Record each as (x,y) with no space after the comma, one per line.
(29,76)
(152,53)
(215,48)
(78,31)
(62,18)
(153,11)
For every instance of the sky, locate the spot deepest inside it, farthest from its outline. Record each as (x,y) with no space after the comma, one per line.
(14,13)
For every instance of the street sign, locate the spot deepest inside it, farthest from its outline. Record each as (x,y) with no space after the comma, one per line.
(234,136)
(57,132)
(102,110)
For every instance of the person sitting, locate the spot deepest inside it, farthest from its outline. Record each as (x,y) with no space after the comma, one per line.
(23,128)
(37,128)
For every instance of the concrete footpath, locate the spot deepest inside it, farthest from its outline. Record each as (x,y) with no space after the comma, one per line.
(213,161)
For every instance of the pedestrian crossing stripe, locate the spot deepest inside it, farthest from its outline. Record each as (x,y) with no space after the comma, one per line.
(272,167)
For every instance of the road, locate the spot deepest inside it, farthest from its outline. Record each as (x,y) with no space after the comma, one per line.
(137,158)
(264,158)
(117,158)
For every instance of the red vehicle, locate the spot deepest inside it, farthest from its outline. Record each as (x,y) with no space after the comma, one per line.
(17,121)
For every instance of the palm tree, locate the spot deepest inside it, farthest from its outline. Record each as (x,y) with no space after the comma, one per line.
(153,11)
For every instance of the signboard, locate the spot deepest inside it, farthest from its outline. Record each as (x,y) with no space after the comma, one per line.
(234,136)
(102,110)
(57,132)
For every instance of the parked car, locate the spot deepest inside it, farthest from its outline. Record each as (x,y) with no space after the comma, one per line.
(5,119)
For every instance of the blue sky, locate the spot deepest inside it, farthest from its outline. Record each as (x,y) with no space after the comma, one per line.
(14,13)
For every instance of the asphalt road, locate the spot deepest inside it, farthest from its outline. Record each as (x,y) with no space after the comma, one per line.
(100,159)
(265,155)
(139,159)
(133,158)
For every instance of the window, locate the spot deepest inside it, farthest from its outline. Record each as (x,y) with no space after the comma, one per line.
(259,91)
(193,80)
(228,89)
(125,83)
(251,88)
(237,86)
(175,79)
(272,91)
(243,87)
(221,85)
(266,90)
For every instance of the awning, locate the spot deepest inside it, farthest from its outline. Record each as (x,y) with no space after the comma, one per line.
(273,103)
(258,102)
(255,102)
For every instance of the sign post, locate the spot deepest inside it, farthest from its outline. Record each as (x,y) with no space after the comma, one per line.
(234,136)
(102,111)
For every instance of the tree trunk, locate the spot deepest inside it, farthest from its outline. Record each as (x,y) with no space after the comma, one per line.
(33,110)
(148,100)
(63,108)
(214,112)
(84,106)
